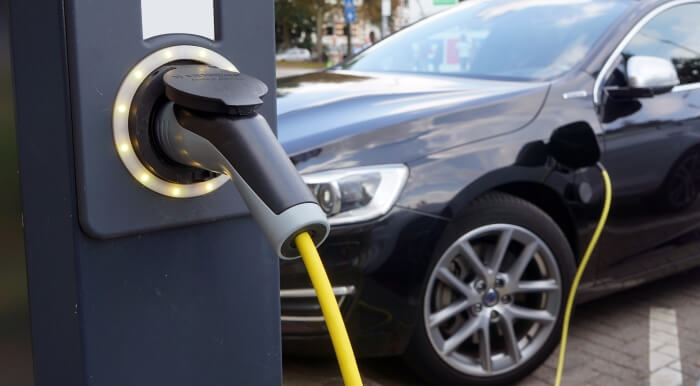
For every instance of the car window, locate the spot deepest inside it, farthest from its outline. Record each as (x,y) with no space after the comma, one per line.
(521,39)
(674,34)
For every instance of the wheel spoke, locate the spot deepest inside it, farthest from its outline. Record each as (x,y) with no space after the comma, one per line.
(537,286)
(510,338)
(500,252)
(518,312)
(516,271)
(451,280)
(473,259)
(447,312)
(464,332)
(485,346)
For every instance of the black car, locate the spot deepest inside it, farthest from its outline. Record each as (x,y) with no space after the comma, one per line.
(455,231)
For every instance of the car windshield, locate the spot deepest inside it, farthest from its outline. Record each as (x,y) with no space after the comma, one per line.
(513,39)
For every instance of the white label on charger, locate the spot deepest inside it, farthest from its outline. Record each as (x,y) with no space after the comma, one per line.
(162,17)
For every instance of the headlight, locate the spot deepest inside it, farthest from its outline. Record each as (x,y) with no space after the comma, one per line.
(357,194)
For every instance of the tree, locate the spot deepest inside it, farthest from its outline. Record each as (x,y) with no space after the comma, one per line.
(319,8)
(292,20)
(372,10)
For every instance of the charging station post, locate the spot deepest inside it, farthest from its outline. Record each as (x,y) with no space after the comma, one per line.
(136,277)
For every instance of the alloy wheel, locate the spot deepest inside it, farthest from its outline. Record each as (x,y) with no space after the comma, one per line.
(492,300)
(684,184)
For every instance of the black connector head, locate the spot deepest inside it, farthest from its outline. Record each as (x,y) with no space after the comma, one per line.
(213,90)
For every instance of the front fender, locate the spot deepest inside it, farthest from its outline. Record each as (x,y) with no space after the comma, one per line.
(444,184)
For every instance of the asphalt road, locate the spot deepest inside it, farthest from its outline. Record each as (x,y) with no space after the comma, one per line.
(649,335)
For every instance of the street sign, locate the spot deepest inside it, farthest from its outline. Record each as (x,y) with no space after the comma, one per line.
(350,15)
(386,7)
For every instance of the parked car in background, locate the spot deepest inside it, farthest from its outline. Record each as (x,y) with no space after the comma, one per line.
(455,233)
(294,54)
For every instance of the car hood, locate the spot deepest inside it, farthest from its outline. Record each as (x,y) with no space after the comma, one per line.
(336,119)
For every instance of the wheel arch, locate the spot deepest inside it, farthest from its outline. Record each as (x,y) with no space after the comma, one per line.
(550,202)
(526,184)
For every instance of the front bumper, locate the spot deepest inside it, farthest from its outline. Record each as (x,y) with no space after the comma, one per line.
(302,307)
(377,270)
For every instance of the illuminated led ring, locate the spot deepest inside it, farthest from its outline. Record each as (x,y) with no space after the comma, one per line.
(120,119)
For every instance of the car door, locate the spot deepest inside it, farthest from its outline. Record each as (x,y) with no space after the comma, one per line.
(652,152)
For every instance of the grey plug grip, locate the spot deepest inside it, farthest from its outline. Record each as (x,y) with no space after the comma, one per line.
(280,226)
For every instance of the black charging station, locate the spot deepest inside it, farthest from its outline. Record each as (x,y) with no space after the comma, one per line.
(134,278)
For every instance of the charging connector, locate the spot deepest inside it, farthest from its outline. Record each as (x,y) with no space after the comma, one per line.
(211,123)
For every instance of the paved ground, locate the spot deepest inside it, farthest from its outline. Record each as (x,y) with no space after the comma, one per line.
(645,336)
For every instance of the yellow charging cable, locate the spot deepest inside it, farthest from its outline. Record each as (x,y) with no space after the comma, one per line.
(579,272)
(331,312)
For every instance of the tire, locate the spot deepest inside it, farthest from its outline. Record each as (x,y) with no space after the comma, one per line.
(681,187)
(526,293)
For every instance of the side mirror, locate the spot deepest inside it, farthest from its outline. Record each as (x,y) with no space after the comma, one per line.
(646,76)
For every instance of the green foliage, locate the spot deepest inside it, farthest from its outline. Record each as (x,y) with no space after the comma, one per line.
(293,19)
(297,18)
(372,10)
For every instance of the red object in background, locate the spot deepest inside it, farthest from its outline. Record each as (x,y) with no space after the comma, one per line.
(451,57)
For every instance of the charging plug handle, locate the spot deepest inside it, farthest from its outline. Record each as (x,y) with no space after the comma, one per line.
(211,123)
(250,147)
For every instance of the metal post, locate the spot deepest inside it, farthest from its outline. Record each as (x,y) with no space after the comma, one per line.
(349,50)
(386,12)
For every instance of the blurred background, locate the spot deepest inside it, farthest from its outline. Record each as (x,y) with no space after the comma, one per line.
(15,350)
(314,34)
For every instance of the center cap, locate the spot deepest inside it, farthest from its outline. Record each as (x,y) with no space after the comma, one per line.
(490,298)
